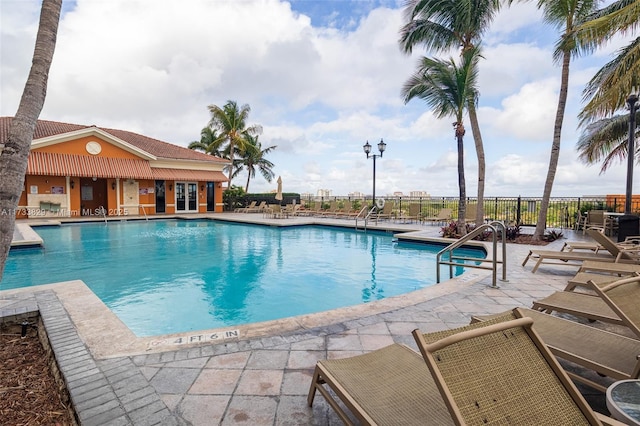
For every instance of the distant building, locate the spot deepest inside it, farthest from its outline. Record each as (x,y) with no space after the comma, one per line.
(356,194)
(398,194)
(324,193)
(418,194)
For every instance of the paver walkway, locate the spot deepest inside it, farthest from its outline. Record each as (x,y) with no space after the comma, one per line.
(264,380)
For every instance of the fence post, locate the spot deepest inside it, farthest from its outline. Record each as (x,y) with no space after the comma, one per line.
(518,211)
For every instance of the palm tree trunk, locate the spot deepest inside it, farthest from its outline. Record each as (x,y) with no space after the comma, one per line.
(462,203)
(555,149)
(231,155)
(477,138)
(14,154)
(246,188)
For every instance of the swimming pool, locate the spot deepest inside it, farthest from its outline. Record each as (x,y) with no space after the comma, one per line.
(166,276)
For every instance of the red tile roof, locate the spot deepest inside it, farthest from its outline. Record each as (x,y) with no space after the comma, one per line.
(45,128)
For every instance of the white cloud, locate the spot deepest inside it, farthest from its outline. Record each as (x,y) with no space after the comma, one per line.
(153,66)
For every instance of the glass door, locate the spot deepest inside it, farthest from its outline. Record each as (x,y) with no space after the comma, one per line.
(161,201)
(181,201)
(211,201)
(193,196)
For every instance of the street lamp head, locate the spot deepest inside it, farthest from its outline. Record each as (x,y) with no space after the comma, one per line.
(367,148)
(382,146)
(632,100)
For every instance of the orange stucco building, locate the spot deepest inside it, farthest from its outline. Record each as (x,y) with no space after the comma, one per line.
(75,170)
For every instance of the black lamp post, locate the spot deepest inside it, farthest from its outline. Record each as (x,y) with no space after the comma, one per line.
(632,100)
(367,150)
(629,224)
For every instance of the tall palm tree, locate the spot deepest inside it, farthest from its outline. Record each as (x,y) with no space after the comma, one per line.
(255,158)
(604,136)
(440,25)
(608,90)
(565,15)
(448,89)
(231,123)
(14,153)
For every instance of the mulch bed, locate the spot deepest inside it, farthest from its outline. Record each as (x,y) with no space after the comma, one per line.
(528,239)
(29,394)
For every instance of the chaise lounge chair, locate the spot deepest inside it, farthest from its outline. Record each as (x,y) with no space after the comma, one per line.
(621,251)
(260,208)
(386,213)
(412,215)
(618,253)
(389,386)
(247,208)
(504,374)
(564,258)
(443,216)
(392,386)
(600,307)
(608,354)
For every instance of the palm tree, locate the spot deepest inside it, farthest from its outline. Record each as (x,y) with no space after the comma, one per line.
(254,157)
(605,136)
(566,15)
(231,123)
(608,89)
(209,142)
(14,154)
(448,89)
(442,25)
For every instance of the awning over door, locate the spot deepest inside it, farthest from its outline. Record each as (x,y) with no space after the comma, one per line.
(188,175)
(53,164)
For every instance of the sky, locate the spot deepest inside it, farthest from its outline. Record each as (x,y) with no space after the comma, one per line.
(321,77)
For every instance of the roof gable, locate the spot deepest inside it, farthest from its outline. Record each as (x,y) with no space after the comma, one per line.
(51,132)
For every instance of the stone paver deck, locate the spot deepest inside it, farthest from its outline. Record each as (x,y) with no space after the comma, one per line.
(263,377)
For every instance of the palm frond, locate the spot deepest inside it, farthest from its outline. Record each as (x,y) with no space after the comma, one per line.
(608,90)
(606,140)
(620,16)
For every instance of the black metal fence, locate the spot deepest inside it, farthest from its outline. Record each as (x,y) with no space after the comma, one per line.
(562,212)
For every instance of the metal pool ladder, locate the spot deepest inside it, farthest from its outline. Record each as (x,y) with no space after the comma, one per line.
(366,218)
(140,206)
(451,259)
(103,212)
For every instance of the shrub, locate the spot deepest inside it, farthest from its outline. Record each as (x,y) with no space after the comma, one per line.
(513,231)
(552,235)
(450,231)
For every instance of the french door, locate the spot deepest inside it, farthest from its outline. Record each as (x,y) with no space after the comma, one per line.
(186,197)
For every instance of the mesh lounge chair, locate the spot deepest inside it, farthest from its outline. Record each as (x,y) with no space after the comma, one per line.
(245,209)
(504,374)
(385,213)
(443,216)
(608,354)
(623,251)
(389,386)
(581,279)
(260,208)
(623,297)
(412,215)
(579,305)
(601,307)
(565,258)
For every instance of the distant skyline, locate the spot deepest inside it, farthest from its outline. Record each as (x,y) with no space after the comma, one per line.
(322,77)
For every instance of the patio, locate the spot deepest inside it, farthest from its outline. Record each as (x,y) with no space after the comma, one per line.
(261,378)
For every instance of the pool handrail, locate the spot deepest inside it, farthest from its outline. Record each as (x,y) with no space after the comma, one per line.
(493,226)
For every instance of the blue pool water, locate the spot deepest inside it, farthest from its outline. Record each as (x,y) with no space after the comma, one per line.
(164,277)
